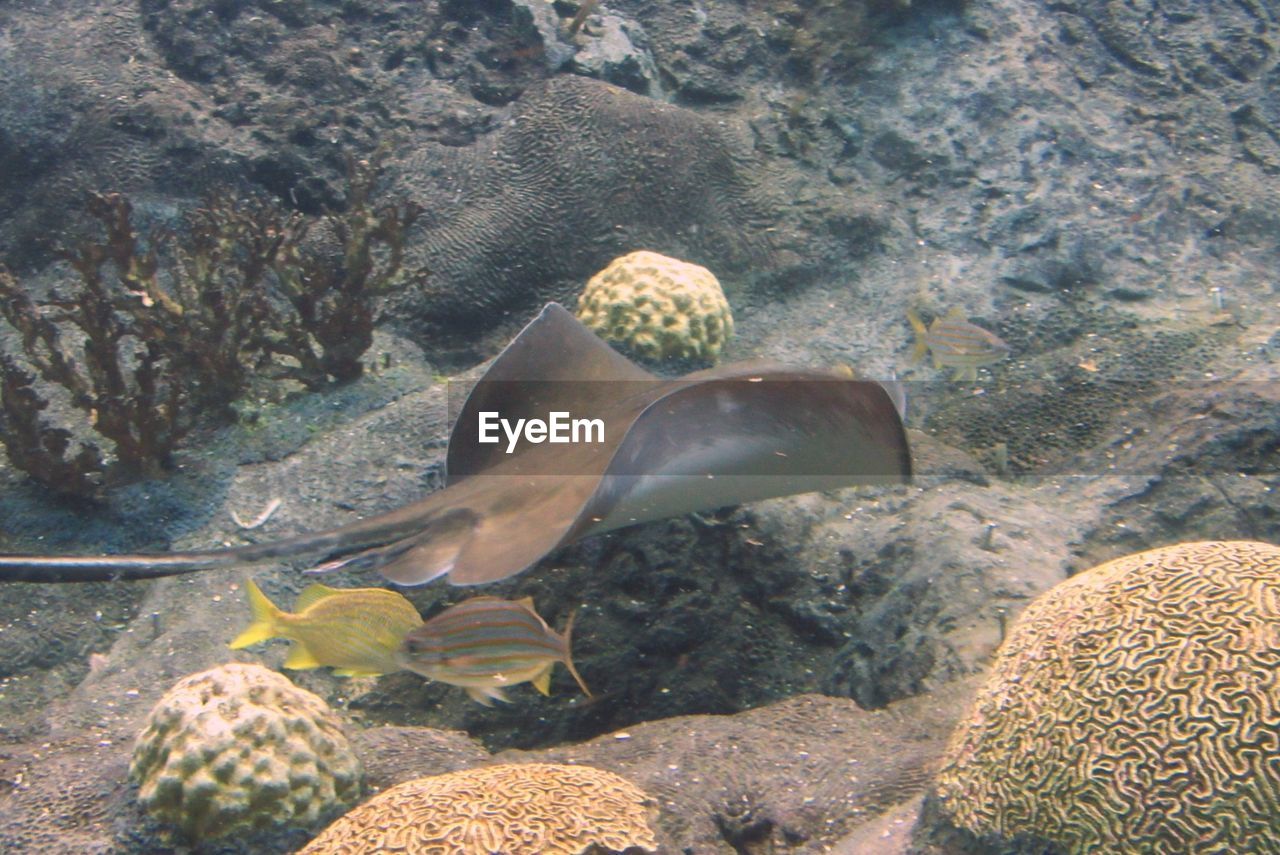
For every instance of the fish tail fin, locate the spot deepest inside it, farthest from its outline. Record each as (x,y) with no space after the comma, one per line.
(922,345)
(301,658)
(486,695)
(567,635)
(542,682)
(265,618)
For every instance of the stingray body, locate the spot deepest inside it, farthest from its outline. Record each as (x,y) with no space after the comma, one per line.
(709,439)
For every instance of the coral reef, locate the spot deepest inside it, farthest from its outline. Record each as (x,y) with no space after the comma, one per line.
(63,797)
(791,776)
(32,444)
(1133,707)
(126,381)
(658,308)
(163,327)
(582,172)
(528,807)
(1027,161)
(238,748)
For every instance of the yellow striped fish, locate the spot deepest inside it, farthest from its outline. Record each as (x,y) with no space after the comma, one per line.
(355,631)
(956,343)
(485,644)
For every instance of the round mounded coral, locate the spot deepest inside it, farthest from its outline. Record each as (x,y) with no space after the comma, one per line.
(239,748)
(530,807)
(1133,708)
(658,307)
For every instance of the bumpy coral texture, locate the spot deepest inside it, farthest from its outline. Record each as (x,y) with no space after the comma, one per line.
(658,307)
(581,172)
(533,807)
(239,747)
(1134,707)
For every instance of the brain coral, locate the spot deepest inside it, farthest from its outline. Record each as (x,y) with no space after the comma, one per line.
(1134,707)
(239,747)
(533,807)
(581,172)
(658,307)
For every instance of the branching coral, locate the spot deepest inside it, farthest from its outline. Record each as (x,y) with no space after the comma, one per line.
(35,446)
(135,401)
(332,321)
(160,328)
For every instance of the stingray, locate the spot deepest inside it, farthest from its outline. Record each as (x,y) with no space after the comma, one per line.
(713,438)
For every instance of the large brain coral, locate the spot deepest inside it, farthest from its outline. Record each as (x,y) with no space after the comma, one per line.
(546,808)
(658,307)
(1133,708)
(580,172)
(238,748)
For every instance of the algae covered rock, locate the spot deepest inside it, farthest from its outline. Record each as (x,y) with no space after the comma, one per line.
(658,308)
(547,808)
(238,748)
(1133,708)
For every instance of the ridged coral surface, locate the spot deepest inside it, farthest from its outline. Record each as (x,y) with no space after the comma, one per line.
(546,808)
(239,747)
(1134,707)
(659,307)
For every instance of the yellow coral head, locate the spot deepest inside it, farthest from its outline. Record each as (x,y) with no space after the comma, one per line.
(658,308)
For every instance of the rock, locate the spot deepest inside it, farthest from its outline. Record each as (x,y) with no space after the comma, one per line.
(617,52)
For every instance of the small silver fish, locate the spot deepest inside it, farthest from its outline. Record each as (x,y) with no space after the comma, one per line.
(956,343)
(484,644)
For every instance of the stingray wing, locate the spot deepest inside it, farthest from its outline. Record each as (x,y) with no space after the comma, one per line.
(554,364)
(745,433)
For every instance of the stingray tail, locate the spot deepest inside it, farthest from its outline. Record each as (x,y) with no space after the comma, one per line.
(427,555)
(368,559)
(111,568)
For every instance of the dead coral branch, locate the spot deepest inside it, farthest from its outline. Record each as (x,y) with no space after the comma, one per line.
(333,293)
(127,387)
(160,327)
(36,447)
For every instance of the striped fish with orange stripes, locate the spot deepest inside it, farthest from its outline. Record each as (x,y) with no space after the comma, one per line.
(486,644)
(955,343)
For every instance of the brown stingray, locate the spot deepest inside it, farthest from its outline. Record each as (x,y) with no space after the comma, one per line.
(719,437)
